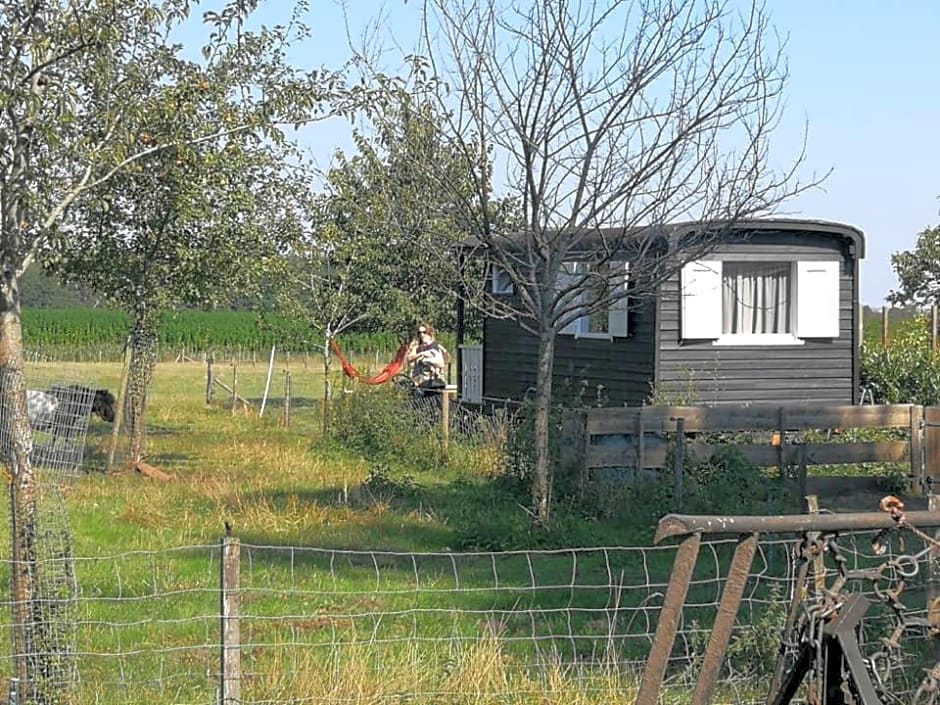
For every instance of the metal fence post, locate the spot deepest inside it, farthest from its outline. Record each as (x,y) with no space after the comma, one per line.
(230,672)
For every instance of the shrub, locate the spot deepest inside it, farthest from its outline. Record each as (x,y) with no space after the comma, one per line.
(377,422)
(907,371)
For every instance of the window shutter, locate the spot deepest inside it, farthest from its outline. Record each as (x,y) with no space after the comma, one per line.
(567,276)
(817,299)
(618,313)
(701,300)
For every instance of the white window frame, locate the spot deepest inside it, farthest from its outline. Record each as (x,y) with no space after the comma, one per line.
(618,325)
(814,300)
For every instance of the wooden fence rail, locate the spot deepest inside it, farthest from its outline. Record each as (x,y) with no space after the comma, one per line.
(642,437)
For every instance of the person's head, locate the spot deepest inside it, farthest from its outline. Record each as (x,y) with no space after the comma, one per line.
(424,332)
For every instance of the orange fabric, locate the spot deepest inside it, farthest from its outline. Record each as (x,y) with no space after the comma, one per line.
(389,371)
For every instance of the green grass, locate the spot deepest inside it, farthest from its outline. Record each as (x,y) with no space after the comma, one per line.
(359,582)
(316,618)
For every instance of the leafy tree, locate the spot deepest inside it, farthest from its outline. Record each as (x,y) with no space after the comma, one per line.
(81,81)
(609,121)
(196,222)
(368,251)
(918,271)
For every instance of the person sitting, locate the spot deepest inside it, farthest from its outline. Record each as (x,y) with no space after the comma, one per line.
(427,358)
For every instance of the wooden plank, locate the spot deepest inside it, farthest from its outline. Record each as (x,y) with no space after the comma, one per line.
(764,455)
(932,447)
(918,480)
(747,418)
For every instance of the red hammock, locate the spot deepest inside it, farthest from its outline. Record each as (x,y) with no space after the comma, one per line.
(389,371)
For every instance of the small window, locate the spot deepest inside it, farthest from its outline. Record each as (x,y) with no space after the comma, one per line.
(781,302)
(500,281)
(605,282)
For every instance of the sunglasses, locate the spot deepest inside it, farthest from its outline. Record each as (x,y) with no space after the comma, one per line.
(422,332)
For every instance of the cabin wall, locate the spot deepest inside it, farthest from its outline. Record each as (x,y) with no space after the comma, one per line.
(815,370)
(587,371)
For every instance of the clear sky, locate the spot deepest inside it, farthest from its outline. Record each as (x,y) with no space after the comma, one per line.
(864,79)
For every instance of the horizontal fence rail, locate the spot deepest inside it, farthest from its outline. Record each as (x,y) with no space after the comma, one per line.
(647,437)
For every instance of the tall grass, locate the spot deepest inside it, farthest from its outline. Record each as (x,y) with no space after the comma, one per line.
(373,483)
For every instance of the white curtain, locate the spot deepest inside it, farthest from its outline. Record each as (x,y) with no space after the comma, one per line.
(756,298)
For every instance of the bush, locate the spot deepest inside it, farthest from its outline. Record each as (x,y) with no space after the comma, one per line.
(377,422)
(907,371)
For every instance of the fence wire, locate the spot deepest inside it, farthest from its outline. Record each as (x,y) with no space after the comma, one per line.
(325,625)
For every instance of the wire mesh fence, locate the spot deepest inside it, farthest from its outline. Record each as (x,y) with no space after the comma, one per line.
(327,625)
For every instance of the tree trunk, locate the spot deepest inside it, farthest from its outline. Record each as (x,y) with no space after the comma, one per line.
(327,387)
(142,365)
(17,448)
(542,477)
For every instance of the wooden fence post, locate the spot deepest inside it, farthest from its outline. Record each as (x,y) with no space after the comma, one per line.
(234,388)
(884,326)
(445,416)
(678,465)
(210,382)
(573,437)
(286,409)
(918,477)
(819,564)
(230,673)
(933,578)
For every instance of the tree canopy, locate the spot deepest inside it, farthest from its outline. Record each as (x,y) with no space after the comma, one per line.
(918,271)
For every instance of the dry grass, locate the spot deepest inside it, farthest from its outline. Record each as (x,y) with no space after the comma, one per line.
(283,486)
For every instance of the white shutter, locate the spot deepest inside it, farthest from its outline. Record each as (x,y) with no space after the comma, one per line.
(567,275)
(817,299)
(618,313)
(701,300)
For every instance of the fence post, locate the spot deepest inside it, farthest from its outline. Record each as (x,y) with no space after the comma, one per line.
(933,582)
(234,388)
(571,454)
(230,673)
(918,477)
(286,410)
(884,326)
(445,413)
(210,381)
(678,468)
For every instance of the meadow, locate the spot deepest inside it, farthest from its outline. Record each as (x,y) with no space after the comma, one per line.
(376,565)
(370,565)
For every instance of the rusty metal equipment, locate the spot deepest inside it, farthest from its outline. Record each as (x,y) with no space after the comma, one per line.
(824,648)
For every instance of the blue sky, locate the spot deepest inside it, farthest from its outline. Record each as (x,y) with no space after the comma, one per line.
(864,78)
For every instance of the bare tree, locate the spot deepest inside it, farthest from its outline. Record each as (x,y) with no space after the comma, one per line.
(606,122)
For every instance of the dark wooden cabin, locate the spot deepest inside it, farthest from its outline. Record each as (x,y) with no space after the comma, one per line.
(770,315)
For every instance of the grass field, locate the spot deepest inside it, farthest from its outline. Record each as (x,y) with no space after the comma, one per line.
(351,590)
(375,567)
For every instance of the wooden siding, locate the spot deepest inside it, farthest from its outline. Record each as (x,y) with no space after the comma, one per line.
(819,371)
(596,372)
